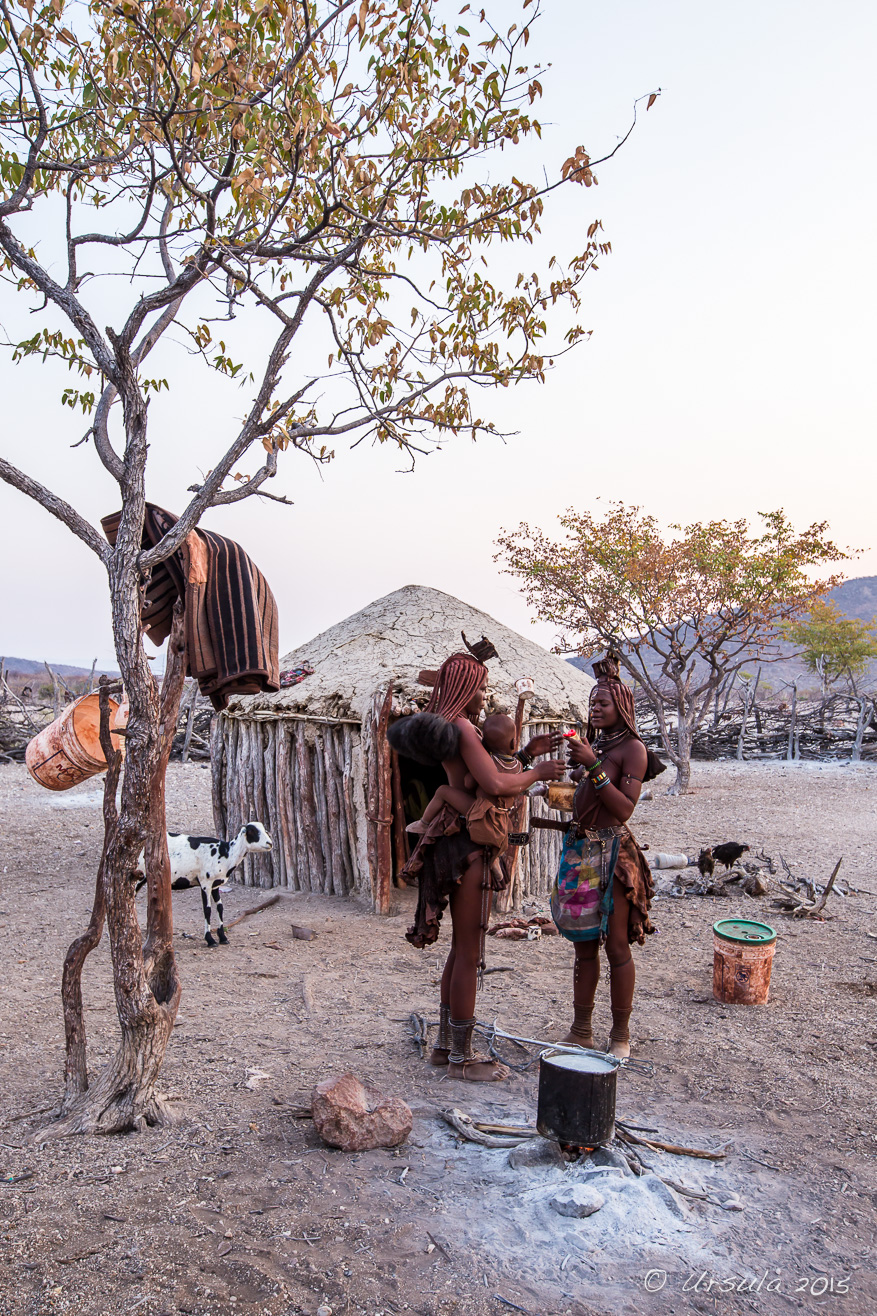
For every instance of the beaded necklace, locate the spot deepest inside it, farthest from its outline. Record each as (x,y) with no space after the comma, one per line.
(604,741)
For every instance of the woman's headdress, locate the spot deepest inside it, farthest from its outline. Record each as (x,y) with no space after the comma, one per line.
(606,672)
(483,650)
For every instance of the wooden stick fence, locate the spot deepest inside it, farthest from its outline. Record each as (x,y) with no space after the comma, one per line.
(305,781)
(328,793)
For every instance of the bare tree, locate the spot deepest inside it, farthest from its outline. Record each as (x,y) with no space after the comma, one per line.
(750,690)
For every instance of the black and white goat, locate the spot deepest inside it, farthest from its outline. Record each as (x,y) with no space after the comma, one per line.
(205,861)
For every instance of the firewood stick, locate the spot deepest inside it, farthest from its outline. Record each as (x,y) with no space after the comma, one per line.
(654,1145)
(513,1130)
(827,891)
(257,909)
(464,1126)
(699,1197)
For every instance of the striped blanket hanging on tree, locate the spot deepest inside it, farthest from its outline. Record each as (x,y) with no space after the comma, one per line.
(231,616)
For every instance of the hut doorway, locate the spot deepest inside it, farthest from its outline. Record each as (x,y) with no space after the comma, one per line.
(417,785)
(414,785)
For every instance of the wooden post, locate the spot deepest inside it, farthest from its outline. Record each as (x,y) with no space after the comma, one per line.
(219,771)
(190,720)
(379,794)
(505,900)
(793,723)
(401,847)
(56,692)
(286,836)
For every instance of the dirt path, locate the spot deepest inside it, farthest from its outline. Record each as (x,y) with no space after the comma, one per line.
(239,1208)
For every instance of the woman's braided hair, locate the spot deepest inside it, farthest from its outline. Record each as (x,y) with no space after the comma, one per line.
(460,677)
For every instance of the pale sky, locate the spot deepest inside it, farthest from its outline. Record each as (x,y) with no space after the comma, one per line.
(730,369)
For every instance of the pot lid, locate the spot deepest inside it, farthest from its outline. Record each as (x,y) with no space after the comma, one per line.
(745,930)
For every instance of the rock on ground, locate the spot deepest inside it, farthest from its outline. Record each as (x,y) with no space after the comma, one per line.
(541,1152)
(579,1201)
(354,1117)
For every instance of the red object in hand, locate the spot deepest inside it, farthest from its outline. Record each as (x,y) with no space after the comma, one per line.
(568,735)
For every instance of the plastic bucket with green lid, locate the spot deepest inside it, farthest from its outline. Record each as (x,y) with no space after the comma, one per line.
(743,951)
(745,929)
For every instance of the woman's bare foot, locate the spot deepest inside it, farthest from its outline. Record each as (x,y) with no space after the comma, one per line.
(578,1039)
(620,1049)
(439,1055)
(479,1070)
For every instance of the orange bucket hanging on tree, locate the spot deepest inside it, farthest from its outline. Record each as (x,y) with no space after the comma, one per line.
(68,750)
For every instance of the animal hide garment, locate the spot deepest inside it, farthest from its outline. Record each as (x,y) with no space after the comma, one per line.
(655,766)
(424,737)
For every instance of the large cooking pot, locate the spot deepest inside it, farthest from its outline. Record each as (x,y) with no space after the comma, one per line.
(577,1097)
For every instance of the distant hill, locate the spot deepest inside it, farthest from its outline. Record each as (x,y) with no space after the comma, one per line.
(855,598)
(28,667)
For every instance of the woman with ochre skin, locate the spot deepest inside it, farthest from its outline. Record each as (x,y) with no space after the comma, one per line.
(611,771)
(451,867)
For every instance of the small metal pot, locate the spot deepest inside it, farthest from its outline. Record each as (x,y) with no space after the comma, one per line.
(561,795)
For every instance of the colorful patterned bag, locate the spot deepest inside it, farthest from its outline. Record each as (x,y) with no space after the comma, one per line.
(581,898)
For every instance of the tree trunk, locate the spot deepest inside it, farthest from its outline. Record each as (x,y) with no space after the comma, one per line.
(76,1063)
(747,709)
(865,710)
(656,704)
(147,989)
(728,689)
(159,909)
(682,755)
(682,763)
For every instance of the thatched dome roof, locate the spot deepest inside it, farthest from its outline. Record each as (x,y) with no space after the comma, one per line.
(394,638)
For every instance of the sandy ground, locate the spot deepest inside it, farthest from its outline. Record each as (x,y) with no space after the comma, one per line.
(239,1207)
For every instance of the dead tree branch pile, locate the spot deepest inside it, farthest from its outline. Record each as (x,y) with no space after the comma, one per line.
(822,729)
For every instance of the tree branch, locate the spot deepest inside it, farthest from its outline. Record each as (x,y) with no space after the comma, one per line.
(58,508)
(62,298)
(107,453)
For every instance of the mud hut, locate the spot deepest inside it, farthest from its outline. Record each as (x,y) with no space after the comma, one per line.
(312,760)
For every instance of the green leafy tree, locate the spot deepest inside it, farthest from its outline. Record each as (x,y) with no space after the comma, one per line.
(324,176)
(832,645)
(684,613)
